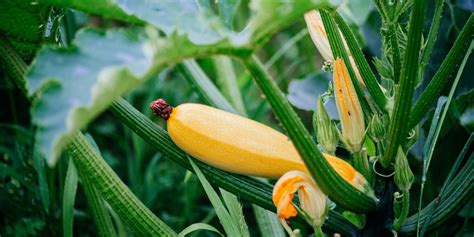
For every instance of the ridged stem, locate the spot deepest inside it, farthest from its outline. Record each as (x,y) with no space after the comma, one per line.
(397,131)
(367,75)
(444,74)
(14,65)
(133,212)
(430,42)
(396,57)
(204,86)
(245,187)
(97,205)
(361,164)
(459,191)
(328,180)
(227,82)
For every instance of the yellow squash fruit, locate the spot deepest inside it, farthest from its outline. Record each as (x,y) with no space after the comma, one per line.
(235,143)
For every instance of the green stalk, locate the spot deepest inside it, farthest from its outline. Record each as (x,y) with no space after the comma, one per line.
(97,206)
(397,131)
(444,74)
(136,215)
(425,57)
(367,75)
(14,65)
(227,82)
(396,58)
(405,208)
(339,51)
(245,187)
(328,180)
(318,232)
(69,197)
(204,86)
(458,193)
(361,164)
(448,180)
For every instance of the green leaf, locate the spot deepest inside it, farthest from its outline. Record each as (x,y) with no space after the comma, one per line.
(74,85)
(105,8)
(356,10)
(230,226)
(302,93)
(69,197)
(269,16)
(197,227)
(268,223)
(178,16)
(227,11)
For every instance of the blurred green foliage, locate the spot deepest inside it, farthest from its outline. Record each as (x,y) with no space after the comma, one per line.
(31,193)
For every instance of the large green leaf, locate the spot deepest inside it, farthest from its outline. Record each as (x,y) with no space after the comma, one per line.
(73,85)
(181,16)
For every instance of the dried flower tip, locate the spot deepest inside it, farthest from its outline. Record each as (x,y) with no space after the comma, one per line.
(160,108)
(327,66)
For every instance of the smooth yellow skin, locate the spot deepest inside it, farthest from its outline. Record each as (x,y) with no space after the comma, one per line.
(237,144)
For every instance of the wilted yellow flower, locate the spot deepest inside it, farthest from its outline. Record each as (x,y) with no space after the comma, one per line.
(348,107)
(312,199)
(320,39)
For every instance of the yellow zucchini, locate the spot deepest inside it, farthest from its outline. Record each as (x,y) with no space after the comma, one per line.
(235,143)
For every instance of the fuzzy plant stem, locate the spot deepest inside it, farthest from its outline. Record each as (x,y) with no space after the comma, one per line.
(361,164)
(133,212)
(98,207)
(397,131)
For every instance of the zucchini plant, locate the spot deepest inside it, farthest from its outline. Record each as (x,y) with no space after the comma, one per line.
(359,141)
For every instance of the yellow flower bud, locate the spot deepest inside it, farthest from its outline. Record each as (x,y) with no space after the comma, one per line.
(348,107)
